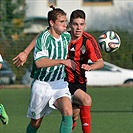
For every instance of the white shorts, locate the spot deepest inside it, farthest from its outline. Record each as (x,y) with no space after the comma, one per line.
(43,95)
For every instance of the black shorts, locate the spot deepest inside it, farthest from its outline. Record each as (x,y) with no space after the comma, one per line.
(74,86)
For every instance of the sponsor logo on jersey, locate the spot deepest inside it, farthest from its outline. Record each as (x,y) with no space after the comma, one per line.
(72,49)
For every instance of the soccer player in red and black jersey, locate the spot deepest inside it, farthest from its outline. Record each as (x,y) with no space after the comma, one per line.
(83,47)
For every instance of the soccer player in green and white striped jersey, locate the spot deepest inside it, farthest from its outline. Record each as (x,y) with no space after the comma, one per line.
(49,90)
(50,47)
(3,115)
(82,47)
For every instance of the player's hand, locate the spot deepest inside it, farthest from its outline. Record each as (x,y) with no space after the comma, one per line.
(70,63)
(20,59)
(86,67)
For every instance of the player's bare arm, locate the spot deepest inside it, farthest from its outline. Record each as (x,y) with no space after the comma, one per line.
(97,65)
(45,62)
(21,58)
(0,65)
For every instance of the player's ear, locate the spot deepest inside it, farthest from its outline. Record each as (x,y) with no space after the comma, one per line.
(69,24)
(51,22)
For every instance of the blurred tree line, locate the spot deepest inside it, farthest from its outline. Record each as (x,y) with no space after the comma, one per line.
(13,39)
(124,56)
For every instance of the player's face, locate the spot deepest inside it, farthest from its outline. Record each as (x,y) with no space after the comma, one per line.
(60,24)
(77,27)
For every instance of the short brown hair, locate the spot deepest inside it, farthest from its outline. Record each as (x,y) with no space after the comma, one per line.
(52,15)
(77,14)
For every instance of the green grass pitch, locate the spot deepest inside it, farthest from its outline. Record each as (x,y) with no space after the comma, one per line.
(111,111)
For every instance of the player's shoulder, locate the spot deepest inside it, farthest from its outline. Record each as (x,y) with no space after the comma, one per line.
(66,33)
(45,33)
(87,35)
(42,34)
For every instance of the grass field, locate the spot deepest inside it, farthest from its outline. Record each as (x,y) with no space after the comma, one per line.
(111,111)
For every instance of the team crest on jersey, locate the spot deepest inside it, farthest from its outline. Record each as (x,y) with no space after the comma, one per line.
(33,113)
(64,44)
(83,49)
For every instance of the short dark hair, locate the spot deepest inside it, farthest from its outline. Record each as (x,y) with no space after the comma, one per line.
(77,14)
(52,15)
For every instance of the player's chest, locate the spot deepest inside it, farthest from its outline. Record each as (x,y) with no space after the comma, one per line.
(77,50)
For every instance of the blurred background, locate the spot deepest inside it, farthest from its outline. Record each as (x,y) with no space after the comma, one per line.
(22,20)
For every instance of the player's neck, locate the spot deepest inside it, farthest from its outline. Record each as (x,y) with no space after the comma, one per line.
(54,34)
(75,39)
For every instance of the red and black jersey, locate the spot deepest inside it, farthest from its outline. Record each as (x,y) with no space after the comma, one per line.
(81,51)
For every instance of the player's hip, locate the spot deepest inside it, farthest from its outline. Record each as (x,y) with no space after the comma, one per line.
(75,86)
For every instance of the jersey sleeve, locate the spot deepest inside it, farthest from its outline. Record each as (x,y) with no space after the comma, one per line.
(40,50)
(93,51)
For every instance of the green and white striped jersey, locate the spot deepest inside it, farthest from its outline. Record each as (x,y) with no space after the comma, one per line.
(49,47)
(1,59)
